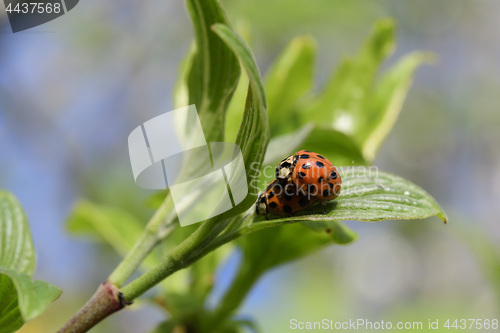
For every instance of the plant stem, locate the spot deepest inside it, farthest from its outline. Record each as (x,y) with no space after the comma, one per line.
(205,239)
(161,224)
(106,301)
(190,250)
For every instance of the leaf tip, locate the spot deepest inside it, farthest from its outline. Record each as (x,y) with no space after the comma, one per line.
(443,217)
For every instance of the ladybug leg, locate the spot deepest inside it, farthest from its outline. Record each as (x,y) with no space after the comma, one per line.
(323,203)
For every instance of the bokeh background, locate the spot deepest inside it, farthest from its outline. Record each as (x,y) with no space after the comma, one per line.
(73,89)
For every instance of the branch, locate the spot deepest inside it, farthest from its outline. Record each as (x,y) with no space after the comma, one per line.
(106,301)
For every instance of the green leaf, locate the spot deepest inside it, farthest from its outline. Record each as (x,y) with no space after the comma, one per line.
(236,108)
(181,89)
(33,296)
(253,135)
(289,79)
(112,225)
(336,231)
(370,195)
(21,298)
(283,145)
(272,247)
(16,247)
(387,101)
(338,147)
(367,195)
(214,72)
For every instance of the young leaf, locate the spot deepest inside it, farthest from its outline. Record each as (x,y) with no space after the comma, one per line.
(214,72)
(269,248)
(282,145)
(234,113)
(181,89)
(253,135)
(338,232)
(387,101)
(110,224)
(340,148)
(21,298)
(290,77)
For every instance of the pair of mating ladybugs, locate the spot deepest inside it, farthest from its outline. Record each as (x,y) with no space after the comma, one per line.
(302,179)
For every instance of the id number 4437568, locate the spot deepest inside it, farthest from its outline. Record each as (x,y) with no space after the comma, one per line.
(470,324)
(34,7)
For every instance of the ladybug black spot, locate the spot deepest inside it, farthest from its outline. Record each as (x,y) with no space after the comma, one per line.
(319,164)
(273,204)
(330,184)
(306,166)
(303,202)
(308,151)
(302,175)
(270,195)
(326,193)
(304,156)
(311,189)
(333,174)
(287,209)
(321,157)
(320,179)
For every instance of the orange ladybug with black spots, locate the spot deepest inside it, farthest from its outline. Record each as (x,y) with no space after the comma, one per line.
(315,176)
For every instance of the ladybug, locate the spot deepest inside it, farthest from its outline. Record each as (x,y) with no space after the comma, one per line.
(315,176)
(281,200)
